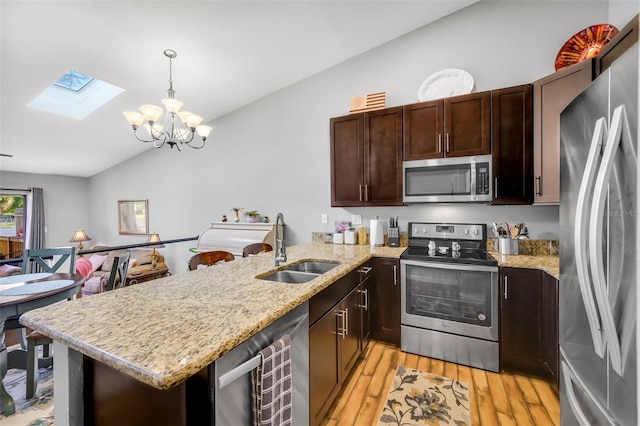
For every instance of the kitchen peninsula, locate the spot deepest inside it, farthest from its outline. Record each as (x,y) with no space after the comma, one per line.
(166,331)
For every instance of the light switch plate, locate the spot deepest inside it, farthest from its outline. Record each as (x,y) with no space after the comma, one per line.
(325,218)
(356,219)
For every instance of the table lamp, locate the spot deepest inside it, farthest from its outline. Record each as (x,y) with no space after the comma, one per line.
(154,239)
(78,237)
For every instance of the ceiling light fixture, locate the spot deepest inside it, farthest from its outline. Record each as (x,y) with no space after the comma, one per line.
(177,129)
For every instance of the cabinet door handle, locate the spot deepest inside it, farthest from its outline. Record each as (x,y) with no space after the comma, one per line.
(366,192)
(341,328)
(495,188)
(360,188)
(365,270)
(506,287)
(346,322)
(538,185)
(365,305)
(448,142)
(439,142)
(395,275)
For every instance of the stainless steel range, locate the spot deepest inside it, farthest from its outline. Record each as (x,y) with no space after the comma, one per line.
(450,294)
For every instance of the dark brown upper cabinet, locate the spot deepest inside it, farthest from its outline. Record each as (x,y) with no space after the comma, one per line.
(512,145)
(451,127)
(551,95)
(366,159)
(626,37)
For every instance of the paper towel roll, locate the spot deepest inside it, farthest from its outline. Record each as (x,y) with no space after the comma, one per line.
(377,237)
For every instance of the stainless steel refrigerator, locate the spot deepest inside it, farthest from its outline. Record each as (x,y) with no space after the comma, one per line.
(598,250)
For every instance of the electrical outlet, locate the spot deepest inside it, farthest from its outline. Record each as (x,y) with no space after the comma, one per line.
(356,219)
(325,218)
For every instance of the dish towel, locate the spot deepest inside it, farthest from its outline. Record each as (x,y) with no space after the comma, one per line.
(272,385)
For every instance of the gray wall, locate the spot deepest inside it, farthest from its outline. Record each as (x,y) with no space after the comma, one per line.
(273,155)
(65,202)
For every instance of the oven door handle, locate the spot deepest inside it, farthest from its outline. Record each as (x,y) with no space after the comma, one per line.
(455,266)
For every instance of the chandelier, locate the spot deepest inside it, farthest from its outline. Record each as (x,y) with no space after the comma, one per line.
(177,129)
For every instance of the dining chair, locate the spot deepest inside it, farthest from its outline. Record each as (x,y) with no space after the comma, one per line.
(208,258)
(256,248)
(117,279)
(37,260)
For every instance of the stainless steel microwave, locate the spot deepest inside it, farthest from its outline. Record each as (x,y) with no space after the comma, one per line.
(448,180)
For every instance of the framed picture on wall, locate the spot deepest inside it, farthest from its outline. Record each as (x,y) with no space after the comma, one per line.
(133,217)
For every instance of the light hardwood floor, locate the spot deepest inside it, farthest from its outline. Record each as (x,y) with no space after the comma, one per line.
(496,399)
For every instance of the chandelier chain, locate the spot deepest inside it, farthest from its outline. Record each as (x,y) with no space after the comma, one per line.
(171,91)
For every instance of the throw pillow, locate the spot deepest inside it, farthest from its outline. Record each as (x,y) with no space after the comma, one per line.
(108,262)
(97,260)
(84,267)
(6,270)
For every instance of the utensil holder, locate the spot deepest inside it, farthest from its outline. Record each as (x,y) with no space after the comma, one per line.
(508,246)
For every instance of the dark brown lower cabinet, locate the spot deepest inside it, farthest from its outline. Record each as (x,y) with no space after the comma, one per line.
(385,301)
(529,322)
(335,340)
(324,378)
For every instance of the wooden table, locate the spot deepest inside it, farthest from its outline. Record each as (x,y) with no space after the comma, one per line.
(22,293)
(152,274)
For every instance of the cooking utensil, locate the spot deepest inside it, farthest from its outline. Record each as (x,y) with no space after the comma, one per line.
(515,231)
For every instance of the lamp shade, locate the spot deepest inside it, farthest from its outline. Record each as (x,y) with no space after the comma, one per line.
(79,235)
(154,238)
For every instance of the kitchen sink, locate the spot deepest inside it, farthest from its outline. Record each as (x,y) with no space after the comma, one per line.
(290,277)
(313,267)
(299,273)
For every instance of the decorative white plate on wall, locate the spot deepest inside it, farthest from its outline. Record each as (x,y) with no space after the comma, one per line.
(445,83)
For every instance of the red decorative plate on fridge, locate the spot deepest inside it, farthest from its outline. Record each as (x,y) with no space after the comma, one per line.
(584,45)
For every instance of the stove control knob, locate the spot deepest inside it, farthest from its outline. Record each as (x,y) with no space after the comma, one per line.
(475,232)
(466,231)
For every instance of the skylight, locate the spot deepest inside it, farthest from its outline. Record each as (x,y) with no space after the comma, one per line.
(75,95)
(74,80)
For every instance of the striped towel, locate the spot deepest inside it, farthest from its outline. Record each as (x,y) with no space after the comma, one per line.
(272,385)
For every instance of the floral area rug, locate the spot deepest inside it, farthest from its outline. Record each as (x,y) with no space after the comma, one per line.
(37,411)
(418,398)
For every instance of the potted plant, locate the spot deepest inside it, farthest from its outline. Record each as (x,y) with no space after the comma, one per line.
(252,216)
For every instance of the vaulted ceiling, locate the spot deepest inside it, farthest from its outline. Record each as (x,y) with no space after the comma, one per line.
(230,53)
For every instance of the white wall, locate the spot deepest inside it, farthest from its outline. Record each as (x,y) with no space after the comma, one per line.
(65,202)
(273,155)
(621,12)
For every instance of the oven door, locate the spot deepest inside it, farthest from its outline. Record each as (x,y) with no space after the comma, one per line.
(453,298)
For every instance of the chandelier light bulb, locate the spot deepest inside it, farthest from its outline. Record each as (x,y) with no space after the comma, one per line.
(204,130)
(172,104)
(157,128)
(134,118)
(151,112)
(192,121)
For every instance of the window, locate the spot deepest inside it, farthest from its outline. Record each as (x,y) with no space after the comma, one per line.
(12,225)
(11,215)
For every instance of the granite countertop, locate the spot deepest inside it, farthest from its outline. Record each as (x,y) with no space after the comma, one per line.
(164,331)
(547,263)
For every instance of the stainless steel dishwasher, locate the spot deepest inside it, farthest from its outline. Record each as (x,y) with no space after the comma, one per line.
(230,376)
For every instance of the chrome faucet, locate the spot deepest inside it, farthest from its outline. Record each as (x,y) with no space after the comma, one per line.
(280,248)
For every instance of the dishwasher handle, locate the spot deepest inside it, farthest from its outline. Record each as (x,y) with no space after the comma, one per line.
(250,365)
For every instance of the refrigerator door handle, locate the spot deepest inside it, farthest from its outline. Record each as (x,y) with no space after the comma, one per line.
(580,230)
(570,381)
(600,194)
